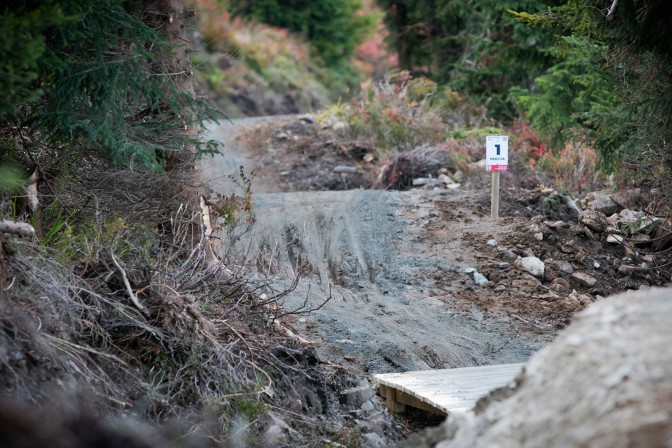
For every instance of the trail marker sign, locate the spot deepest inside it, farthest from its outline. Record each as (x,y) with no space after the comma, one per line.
(497,153)
(496,160)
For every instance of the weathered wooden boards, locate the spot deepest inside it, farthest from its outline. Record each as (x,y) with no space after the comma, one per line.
(443,391)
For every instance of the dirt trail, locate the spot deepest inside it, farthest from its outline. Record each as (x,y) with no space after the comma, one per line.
(372,251)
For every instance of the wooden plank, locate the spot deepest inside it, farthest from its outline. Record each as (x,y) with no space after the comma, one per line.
(446,390)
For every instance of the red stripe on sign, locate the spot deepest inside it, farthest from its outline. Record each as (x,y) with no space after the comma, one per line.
(497,167)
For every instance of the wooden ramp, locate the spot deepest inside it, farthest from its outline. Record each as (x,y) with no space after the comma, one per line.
(443,391)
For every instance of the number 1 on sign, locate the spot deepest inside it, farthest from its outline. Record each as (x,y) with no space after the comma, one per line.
(499,147)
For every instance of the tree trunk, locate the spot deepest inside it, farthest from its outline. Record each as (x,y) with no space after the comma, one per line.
(170,18)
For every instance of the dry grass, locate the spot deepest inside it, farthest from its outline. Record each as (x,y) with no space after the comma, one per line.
(122,298)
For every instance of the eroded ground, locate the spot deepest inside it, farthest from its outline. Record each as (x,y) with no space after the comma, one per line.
(399,267)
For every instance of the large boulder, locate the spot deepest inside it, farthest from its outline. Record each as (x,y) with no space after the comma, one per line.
(606,381)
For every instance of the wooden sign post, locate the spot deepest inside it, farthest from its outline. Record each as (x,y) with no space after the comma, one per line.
(496,160)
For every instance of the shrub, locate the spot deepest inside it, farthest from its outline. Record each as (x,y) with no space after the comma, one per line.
(398,112)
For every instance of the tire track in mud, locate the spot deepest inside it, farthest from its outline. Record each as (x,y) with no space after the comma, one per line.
(366,248)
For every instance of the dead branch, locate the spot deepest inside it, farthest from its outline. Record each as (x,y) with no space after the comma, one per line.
(535,325)
(612,10)
(134,299)
(17,228)
(293,335)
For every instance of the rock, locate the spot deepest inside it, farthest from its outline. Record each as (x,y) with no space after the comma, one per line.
(446,179)
(469,270)
(601,201)
(282,136)
(368,157)
(627,216)
(492,243)
(480,279)
(560,285)
(603,382)
(556,224)
(494,276)
(563,266)
(373,440)
(508,256)
(625,269)
(525,284)
(308,119)
(613,238)
(549,274)
(567,248)
(584,279)
(571,303)
(573,210)
(583,299)
(368,406)
(628,198)
(354,397)
(539,236)
(612,229)
(398,357)
(594,220)
(528,252)
(533,265)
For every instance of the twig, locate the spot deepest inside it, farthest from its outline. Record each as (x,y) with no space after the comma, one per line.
(612,10)
(10,284)
(128,285)
(528,322)
(293,335)
(159,285)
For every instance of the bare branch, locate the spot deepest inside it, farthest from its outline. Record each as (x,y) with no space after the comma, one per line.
(612,10)
(134,299)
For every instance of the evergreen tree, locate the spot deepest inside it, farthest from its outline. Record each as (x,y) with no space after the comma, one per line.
(611,82)
(97,74)
(476,46)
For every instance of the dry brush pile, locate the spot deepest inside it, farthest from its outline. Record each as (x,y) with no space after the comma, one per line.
(122,306)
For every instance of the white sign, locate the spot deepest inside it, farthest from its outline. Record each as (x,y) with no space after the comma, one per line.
(497,153)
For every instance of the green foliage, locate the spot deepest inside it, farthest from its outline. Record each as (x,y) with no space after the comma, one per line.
(236,209)
(573,93)
(610,82)
(92,71)
(10,179)
(22,46)
(398,112)
(333,27)
(476,46)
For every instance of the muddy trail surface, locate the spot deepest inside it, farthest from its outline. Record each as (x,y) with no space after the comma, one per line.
(391,278)
(368,266)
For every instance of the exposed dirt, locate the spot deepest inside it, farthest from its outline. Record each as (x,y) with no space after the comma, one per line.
(397,266)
